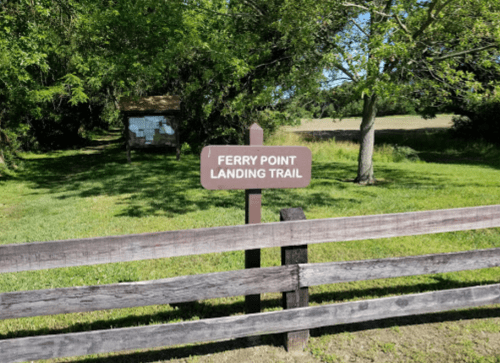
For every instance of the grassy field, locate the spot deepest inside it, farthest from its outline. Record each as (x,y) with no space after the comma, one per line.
(93,192)
(407,122)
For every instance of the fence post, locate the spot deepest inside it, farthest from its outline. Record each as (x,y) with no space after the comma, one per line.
(296,340)
(127,141)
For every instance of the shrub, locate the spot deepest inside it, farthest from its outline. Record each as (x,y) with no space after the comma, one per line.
(478,121)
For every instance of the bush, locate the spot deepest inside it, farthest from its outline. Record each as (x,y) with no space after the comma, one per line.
(478,121)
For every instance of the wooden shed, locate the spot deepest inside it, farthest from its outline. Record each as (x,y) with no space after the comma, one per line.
(151,122)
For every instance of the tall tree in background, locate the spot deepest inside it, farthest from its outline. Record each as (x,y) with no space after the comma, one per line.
(256,54)
(41,90)
(22,53)
(394,47)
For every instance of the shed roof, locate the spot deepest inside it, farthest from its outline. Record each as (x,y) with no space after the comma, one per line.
(150,104)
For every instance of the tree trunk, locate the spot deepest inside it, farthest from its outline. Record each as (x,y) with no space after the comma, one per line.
(2,158)
(367,141)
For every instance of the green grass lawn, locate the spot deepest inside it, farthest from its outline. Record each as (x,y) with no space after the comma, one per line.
(93,192)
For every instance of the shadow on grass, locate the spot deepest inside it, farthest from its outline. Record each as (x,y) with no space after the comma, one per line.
(442,146)
(206,310)
(335,174)
(435,145)
(154,183)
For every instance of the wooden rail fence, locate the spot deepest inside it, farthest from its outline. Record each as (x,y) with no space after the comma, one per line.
(43,255)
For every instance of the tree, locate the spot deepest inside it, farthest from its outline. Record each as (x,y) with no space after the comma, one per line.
(232,63)
(41,94)
(410,47)
(256,56)
(477,118)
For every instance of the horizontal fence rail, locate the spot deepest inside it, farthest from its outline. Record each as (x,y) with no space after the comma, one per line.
(90,251)
(104,341)
(234,283)
(347,271)
(289,278)
(133,294)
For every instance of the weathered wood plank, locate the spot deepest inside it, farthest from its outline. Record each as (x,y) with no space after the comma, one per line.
(345,271)
(131,294)
(299,297)
(234,283)
(253,203)
(77,252)
(103,341)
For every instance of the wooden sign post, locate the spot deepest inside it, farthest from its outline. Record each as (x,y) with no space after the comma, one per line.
(253,202)
(253,168)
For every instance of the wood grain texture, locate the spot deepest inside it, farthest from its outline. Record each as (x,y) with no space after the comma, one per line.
(74,344)
(253,202)
(253,211)
(294,255)
(335,272)
(77,252)
(131,294)
(234,283)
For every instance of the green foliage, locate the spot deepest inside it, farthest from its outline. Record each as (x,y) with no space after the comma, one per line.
(255,66)
(232,63)
(9,144)
(342,101)
(45,100)
(477,116)
(478,120)
(413,50)
(64,65)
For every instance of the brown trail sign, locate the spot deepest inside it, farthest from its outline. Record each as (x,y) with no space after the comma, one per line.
(253,168)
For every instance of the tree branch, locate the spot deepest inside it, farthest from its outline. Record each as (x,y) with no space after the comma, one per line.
(401,25)
(352,76)
(387,8)
(430,16)
(388,5)
(274,61)
(253,5)
(360,28)
(430,19)
(349,5)
(469,51)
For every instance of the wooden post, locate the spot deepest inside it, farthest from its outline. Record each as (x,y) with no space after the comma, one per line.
(296,340)
(177,140)
(253,203)
(127,140)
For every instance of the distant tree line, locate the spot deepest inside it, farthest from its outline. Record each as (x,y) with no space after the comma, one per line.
(341,101)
